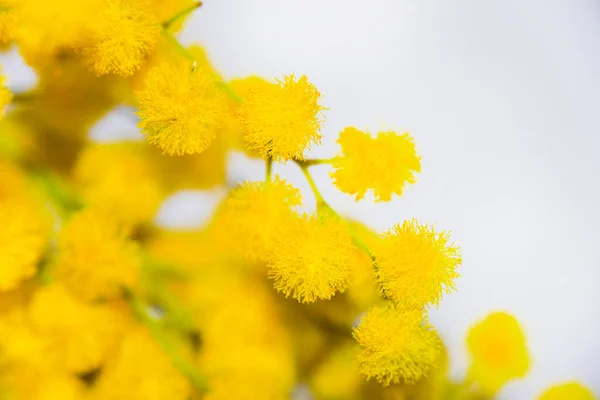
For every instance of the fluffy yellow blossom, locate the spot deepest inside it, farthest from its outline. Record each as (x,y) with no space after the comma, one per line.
(121,180)
(498,352)
(311,256)
(397,345)
(121,37)
(81,335)
(567,390)
(256,211)
(181,108)
(383,164)
(416,265)
(282,120)
(95,258)
(5,94)
(140,359)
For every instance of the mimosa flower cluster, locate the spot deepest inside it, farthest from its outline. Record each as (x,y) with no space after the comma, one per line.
(99,302)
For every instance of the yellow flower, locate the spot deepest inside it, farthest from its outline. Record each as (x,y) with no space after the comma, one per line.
(256,210)
(47,26)
(311,256)
(397,345)
(119,179)
(282,120)
(6,22)
(5,94)
(95,259)
(181,108)
(121,37)
(498,352)
(81,335)
(383,164)
(141,360)
(23,236)
(416,265)
(567,390)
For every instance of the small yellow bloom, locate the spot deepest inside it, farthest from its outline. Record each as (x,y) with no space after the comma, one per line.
(397,345)
(282,120)
(95,258)
(383,164)
(311,257)
(568,391)
(498,352)
(119,179)
(121,37)
(5,94)
(256,211)
(416,265)
(181,108)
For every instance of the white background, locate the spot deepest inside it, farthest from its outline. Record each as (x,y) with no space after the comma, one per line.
(502,98)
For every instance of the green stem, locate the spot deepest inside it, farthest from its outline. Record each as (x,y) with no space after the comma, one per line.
(315,161)
(192,374)
(323,205)
(269,169)
(167,24)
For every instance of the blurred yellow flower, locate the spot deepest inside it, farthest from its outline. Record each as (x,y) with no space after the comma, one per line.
(5,94)
(416,265)
(383,164)
(95,258)
(498,352)
(567,390)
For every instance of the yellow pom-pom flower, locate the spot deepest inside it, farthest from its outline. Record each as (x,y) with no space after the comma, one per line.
(95,258)
(181,108)
(383,164)
(397,345)
(256,211)
(498,352)
(5,94)
(416,265)
(281,120)
(121,37)
(568,391)
(311,257)
(104,172)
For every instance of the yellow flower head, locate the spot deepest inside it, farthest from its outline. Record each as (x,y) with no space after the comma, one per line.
(6,22)
(568,390)
(5,94)
(256,211)
(140,359)
(119,179)
(282,120)
(311,257)
(181,108)
(416,265)
(498,352)
(23,236)
(383,164)
(81,335)
(121,37)
(95,259)
(397,345)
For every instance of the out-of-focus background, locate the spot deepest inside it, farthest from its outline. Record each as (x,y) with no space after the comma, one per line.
(502,99)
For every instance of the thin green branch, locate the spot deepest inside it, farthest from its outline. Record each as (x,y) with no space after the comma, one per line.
(315,161)
(168,23)
(140,310)
(269,169)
